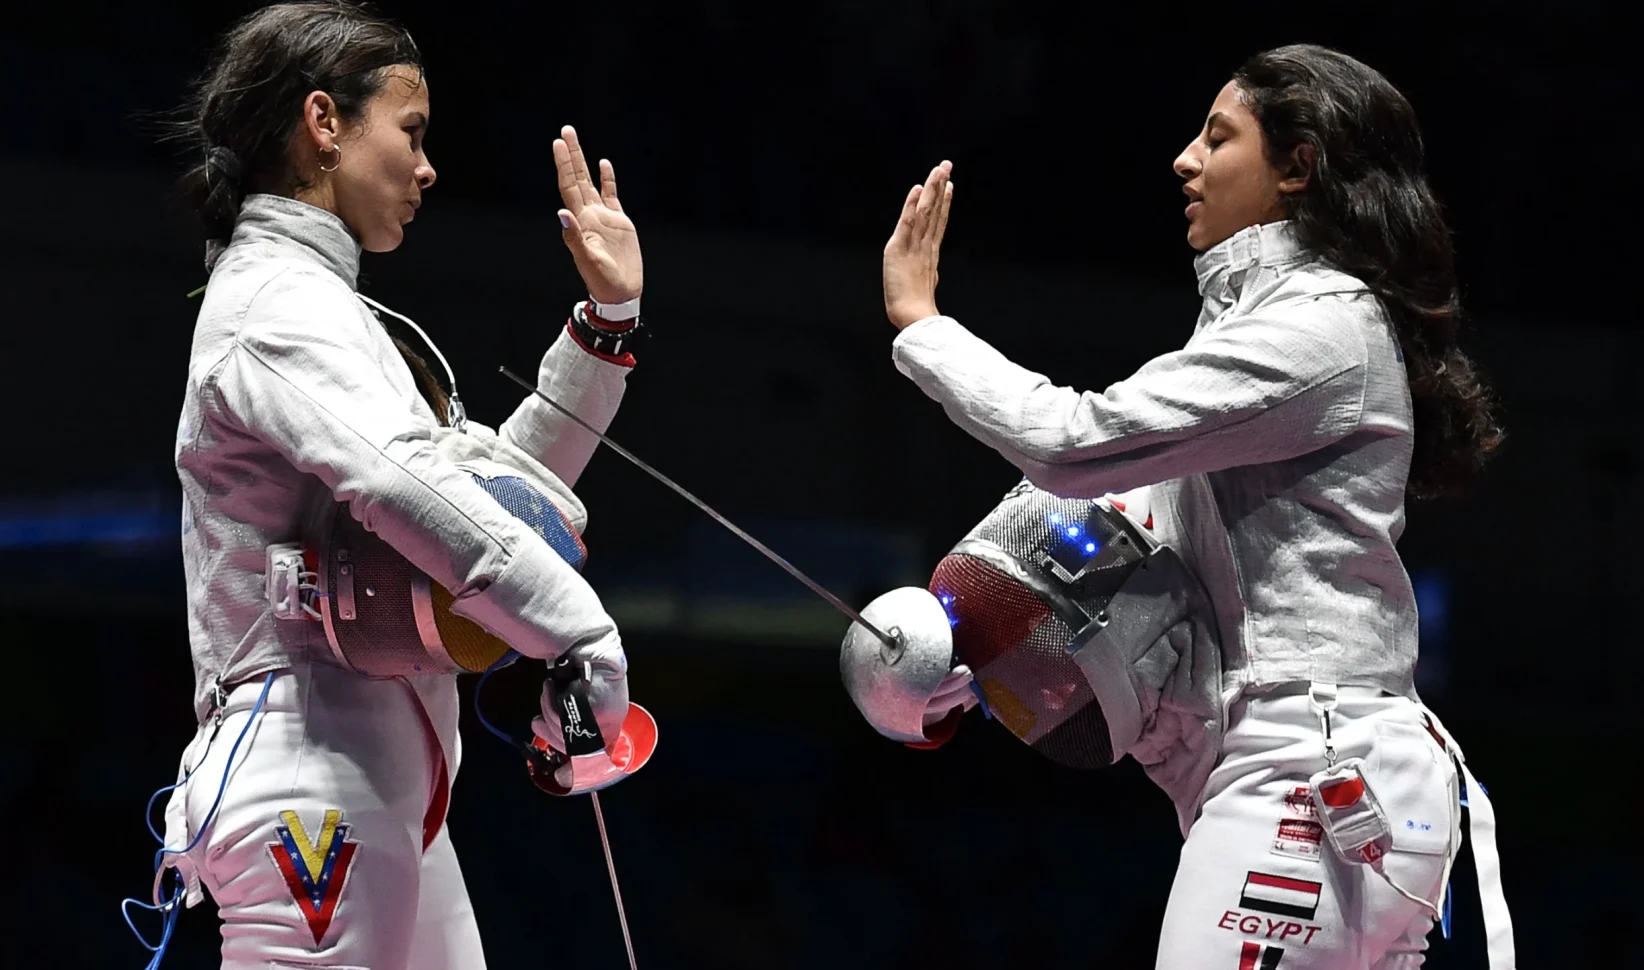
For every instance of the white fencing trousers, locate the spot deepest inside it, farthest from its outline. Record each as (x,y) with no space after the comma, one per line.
(1259,887)
(329,849)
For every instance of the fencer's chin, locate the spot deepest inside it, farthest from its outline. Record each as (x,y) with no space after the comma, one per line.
(388,242)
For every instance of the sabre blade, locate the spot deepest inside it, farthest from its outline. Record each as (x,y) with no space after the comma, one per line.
(616,890)
(791,569)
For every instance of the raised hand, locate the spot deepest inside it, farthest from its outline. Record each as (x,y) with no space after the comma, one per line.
(600,236)
(911,255)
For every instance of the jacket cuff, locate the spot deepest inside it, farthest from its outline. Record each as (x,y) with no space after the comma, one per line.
(920,340)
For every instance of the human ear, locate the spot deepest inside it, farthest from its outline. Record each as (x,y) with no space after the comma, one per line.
(321,120)
(1299,173)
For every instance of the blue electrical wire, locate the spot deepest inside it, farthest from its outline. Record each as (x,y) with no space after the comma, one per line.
(173,906)
(479,713)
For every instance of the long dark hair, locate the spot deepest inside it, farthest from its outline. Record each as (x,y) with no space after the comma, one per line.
(1369,211)
(242,113)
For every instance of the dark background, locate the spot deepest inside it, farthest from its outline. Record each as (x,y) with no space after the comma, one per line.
(763,149)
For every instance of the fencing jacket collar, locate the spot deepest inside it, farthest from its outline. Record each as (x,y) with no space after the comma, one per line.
(1223,267)
(309,231)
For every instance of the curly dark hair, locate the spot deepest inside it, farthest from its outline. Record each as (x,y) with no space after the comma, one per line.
(1369,210)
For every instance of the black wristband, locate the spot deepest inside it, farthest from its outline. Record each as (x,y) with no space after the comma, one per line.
(610,343)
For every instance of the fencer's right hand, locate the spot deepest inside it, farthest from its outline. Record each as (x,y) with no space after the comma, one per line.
(915,247)
(607,668)
(601,237)
(953,697)
(954,691)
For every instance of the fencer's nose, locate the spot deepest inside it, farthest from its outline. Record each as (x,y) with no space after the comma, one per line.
(1188,164)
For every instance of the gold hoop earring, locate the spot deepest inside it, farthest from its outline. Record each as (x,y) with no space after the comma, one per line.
(338,150)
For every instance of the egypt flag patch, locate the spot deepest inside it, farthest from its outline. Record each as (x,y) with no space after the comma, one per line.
(314,869)
(1280,895)
(1255,956)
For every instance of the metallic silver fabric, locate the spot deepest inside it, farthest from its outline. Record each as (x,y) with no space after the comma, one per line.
(1276,445)
(296,398)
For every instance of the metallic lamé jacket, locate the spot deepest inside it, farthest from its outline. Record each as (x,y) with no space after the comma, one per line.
(297,396)
(1278,442)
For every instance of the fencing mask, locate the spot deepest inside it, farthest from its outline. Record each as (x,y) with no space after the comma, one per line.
(1087,638)
(383,616)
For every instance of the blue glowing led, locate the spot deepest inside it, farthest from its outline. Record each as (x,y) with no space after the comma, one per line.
(1073,532)
(1090,547)
(946,599)
(1055,518)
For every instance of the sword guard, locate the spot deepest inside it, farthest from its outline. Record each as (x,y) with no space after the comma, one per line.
(543,763)
(560,774)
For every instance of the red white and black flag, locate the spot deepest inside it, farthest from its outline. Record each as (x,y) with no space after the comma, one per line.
(1257,956)
(1280,895)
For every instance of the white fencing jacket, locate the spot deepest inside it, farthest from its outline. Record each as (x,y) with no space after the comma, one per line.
(1280,438)
(297,396)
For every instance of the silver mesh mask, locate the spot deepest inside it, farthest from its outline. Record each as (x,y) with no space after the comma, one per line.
(384,617)
(1088,639)
(1024,591)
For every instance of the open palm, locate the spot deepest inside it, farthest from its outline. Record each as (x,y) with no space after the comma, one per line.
(915,249)
(601,237)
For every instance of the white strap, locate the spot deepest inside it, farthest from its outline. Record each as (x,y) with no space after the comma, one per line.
(1481,826)
(616,312)
(1498,923)
(1322,695)
(176,822)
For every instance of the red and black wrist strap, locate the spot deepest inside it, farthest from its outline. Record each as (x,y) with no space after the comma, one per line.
(612,341)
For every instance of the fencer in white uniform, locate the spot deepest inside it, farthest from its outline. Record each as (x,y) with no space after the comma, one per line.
(323,843)
(1278,445)
(297,396)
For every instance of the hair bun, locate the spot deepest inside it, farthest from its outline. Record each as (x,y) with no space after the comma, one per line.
(225,162)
